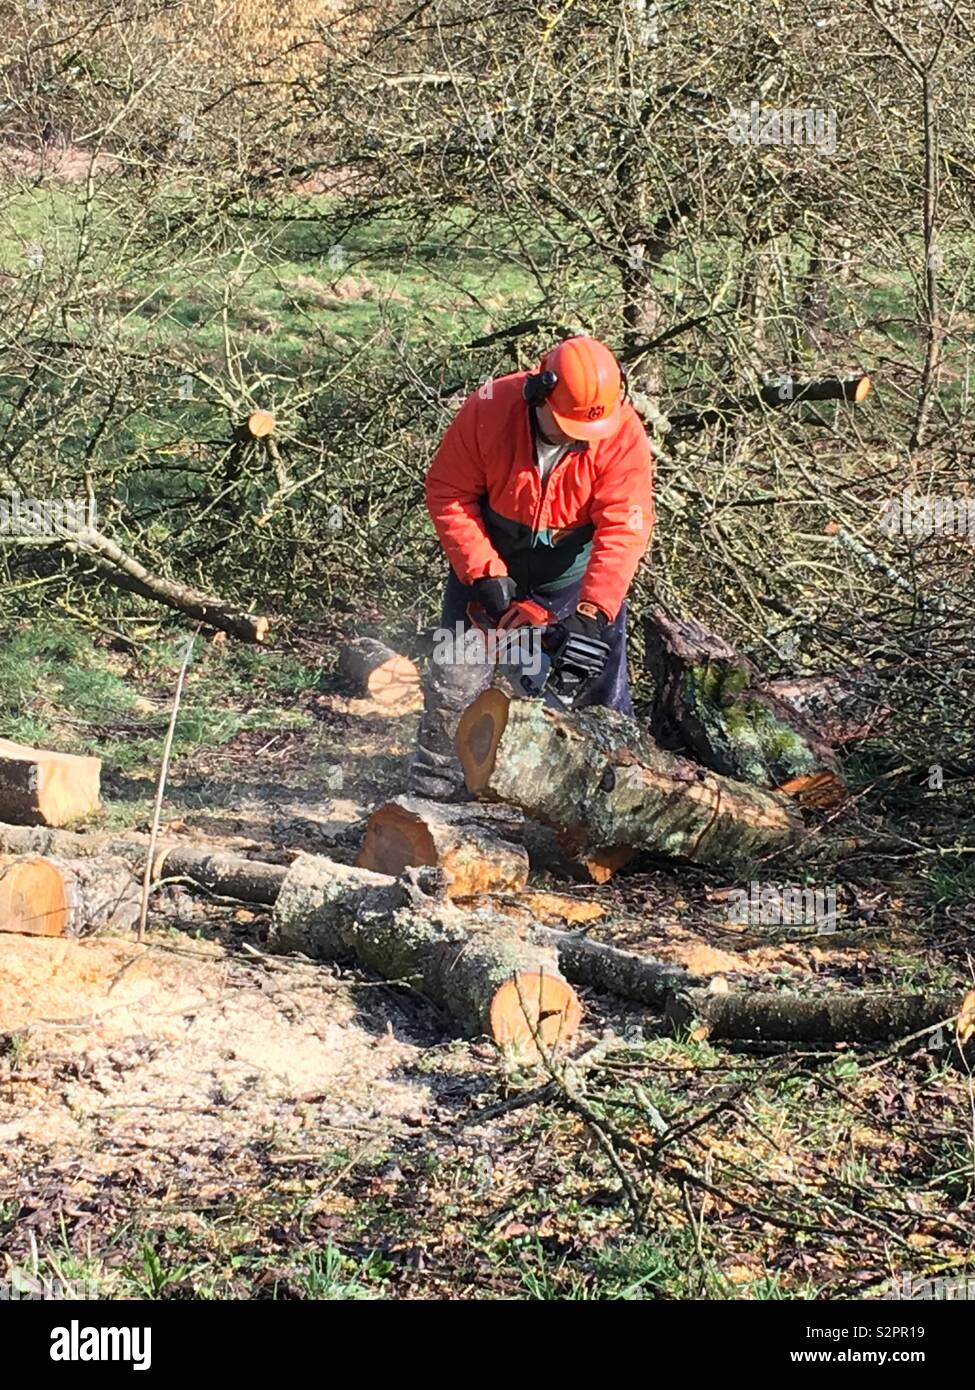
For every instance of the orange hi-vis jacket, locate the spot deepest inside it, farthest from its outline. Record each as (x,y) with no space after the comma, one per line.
(591,517)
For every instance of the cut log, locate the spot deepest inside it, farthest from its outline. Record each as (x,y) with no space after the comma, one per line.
(61,897)
(475,846)
(861,1016)
(259,424)
(227,875)
(606,785)
(854,390)
(38,787)
(370,669)
(714,702)
(485,972)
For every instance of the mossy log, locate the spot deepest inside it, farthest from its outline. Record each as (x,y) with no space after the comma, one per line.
(44,896)
(712,702)
(475,846)
(370,669)
(609,788)
(844,707)
(859,1016)
(40,787)
(490,976)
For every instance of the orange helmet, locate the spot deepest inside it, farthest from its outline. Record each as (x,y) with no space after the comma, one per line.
(588,391)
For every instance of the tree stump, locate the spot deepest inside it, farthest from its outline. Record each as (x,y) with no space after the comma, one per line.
(715,702)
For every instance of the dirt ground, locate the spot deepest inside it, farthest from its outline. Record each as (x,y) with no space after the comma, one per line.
(193,1117)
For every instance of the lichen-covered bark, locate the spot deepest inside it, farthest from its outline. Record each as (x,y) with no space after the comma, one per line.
(462,962)
(601,780)
(712,701)
(826,1018)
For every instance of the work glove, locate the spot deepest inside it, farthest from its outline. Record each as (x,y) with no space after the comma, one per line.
(494,595)
(579,648)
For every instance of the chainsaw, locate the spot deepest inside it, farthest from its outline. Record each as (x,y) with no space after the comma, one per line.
(533,659)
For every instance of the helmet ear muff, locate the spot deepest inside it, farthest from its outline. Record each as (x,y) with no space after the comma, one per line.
(539,386)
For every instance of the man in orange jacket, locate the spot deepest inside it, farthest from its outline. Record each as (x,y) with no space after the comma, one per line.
(541,489)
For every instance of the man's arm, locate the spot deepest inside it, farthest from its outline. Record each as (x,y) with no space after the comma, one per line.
(622,514)
(455,487)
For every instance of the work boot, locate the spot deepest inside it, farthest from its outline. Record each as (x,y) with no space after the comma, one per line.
(448,688)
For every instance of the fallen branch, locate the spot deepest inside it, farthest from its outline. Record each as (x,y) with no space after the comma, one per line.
(858,1016)
(125,572)
(775,395)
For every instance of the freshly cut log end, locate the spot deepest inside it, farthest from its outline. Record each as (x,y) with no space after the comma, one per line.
(479,734)
(472,845)
(533,1006)
(39,787)
(260,423)
(33,897)
(374,671)
(42,896)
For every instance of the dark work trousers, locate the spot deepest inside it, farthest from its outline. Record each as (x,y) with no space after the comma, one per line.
(449,687)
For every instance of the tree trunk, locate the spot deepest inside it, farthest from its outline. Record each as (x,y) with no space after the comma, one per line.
(375,671)
(488,975)
(227,875)
(716,703)
(473,845)
(861,1016)
(38,787)
(63,897)
(609,788)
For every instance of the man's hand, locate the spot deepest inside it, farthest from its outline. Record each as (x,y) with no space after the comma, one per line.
(579,648)
(495,595)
